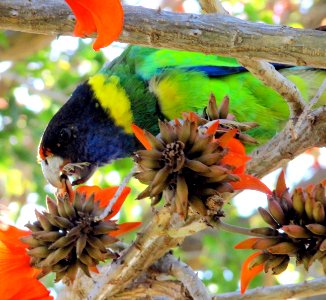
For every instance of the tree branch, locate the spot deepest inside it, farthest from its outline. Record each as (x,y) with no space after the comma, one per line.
(283,147)
(17,41)
(224,35)
(182,272)
(265,71)
(280,292)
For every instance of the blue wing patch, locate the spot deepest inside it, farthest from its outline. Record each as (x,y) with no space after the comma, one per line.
(217,71)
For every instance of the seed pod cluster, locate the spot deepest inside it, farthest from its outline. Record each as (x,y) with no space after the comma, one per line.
(297,227)
(273,263)
(69,236)
(186,164)
(227,121)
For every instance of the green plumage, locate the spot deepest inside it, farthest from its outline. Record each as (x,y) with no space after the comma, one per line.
(142,85)
(177,89)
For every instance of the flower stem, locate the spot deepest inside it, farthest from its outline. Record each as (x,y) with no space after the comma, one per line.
(117,194)
(232,228)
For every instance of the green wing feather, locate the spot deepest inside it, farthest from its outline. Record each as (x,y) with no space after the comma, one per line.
(178,90)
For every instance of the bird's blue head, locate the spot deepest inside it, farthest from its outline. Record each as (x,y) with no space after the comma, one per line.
(91,129)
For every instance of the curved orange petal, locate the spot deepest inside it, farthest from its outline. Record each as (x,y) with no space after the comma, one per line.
(193,117)
(310,187)
(94,269)
(280,185)
(88,190)
(125,227)
(251,183)
(84,20)
(105,196)
(237,147)
(10,236)
(246,274)
(139,133)
(226,137)
(106,17)
(236,160)
(213,127)
(117,205)
(246,244)
(31,289)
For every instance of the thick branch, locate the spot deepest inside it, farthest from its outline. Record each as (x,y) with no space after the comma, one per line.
(216,34)
(305,289)
(283,147)
(17,41)
(285,87)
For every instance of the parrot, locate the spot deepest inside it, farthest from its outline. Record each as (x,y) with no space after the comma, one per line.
(142,85)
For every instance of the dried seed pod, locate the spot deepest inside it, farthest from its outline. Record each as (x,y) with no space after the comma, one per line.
(69,237)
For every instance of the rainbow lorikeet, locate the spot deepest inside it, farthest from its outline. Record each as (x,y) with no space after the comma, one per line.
(94,126)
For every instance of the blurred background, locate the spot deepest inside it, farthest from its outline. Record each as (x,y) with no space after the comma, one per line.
(37,75)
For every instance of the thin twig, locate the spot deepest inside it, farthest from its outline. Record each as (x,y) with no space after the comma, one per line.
(218,224)
(283,148)
(316,98)
(274,79)
(212,7)
(281,292)
(117,194)
(182,272)
(307,110)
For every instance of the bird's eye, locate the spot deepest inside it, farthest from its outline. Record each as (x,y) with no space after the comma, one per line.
(65,134)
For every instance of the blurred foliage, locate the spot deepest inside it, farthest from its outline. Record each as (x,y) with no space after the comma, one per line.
(33,89)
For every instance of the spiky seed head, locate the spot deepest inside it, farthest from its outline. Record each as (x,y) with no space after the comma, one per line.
(69,237)
(188,163)
(297,228)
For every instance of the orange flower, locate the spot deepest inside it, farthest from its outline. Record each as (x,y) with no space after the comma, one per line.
(237,158)
(280,185)
(105,196)
(17,277)
(140,135)
(103,17)
(247,274)
(247,243)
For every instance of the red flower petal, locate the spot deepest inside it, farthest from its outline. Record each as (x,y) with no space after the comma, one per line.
(139,133)
(280,185)
(236,160)
(105,196)
(226,137)
(177,122)
(94,269)
(213,127)
(125,227)
(85,24)
(246,244)
(246,274)
(88,190)
(17,277)
(103,17)
(236,146)
(193,117)
(10,236)
(31,289)
(251,183)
